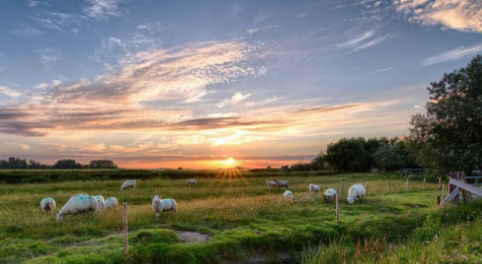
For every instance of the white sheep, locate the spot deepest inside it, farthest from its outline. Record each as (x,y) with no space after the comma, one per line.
(48,204)
(330,194)
(314,188)
(100,201)
(160,205)
(271,184)
(355,192)
(288,194)
(80,203)
(111,203)
(281,183)
(191,182)
(128,184)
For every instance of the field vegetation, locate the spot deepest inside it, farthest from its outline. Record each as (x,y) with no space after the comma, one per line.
(241,217)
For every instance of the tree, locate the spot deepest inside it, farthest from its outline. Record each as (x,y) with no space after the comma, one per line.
(102,164)
(67,164)
(449,135)
(389,157)
(347,154)
(318,163)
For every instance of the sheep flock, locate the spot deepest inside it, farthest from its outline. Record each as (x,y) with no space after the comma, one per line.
(84,203)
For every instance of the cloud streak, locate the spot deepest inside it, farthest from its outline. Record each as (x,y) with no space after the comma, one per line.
(453,55)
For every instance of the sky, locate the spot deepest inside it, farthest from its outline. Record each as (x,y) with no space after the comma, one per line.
(155,83)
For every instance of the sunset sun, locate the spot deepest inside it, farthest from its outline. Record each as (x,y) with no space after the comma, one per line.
(230,161)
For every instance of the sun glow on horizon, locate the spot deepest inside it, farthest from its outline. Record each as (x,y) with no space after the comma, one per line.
(230,161)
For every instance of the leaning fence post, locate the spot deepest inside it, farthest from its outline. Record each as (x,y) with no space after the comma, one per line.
(424,183)
(408,184)
(342,187)
(443,191)
(366,188)
(388,186)
(439,182)
(337,208)
(126,237)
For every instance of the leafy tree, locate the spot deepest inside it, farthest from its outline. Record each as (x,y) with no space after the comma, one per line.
(67,164)
(449,136)
(318,163)
(104,164)
(347,154)
(389,157)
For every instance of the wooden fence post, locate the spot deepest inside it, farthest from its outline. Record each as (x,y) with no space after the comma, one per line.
(126,233)
(424,183)
(337,208)
(438,199)
(408,184)
(388,186)
(366,188)
(439,182)
(443,191)
(342,187)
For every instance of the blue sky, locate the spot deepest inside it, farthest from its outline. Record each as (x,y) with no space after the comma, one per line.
(167,83)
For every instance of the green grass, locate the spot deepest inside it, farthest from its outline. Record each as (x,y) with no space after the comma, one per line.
(239,213)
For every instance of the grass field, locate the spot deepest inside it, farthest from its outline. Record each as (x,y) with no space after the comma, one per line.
(240,216)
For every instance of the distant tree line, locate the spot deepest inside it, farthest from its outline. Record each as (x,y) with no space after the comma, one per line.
(17,163)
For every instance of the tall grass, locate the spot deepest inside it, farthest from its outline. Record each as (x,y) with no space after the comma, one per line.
(241,216)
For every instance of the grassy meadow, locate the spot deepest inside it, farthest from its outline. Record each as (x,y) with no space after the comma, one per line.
(238,213)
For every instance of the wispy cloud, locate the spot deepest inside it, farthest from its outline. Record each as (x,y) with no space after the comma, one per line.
(263,102)
(9,91)
(301,15)
(452,55)
(27,31)
(236,98)
(31,3)
(370,43)
(48,85)
(382,70)
(102,9)
(130,96)
(354,41)
(363,41)
(60,21)
(463,15)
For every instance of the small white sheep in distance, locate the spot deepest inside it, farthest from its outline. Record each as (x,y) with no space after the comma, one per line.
(111,203)
(355,192)
(282,183)
(191,182)
(48,204)
(128,184)
(160,205)
(330,194)
(287,194)
(271,184)
(100,201)
(314,188)
(80,203)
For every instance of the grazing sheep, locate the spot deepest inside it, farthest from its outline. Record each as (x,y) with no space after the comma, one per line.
(314,188)
(281,183)
(288,194)
(128,184)
(191,182)
(48,204)
(160,205)
(355,192)
(111,203)
(330,194)
(80,203)
(100,201)
(271,184)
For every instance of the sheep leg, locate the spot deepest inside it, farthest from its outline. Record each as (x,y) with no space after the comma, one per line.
(157,215)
